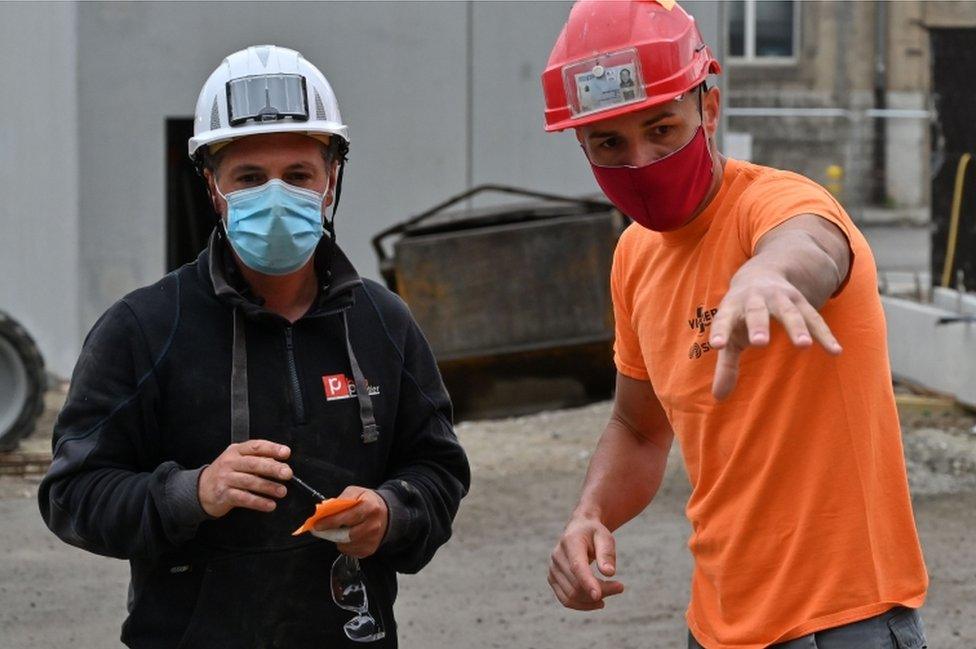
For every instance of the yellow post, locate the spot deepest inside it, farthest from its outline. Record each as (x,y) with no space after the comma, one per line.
(835,180)
(954,219)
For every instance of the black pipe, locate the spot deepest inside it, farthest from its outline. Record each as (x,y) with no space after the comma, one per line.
(879,193)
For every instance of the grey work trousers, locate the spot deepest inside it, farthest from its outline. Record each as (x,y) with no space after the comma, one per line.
(899,628)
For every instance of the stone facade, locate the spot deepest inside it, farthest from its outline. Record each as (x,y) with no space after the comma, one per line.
(835,68)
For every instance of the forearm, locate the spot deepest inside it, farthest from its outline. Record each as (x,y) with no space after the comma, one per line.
(107,489)
(795,257)
(428,472)
(120,513)
(422,505)
(809,252)
(422,495)
(624,475)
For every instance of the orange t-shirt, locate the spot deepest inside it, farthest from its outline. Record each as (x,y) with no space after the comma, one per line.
(800,511)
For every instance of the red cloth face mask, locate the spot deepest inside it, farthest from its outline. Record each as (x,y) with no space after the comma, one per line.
(663,194)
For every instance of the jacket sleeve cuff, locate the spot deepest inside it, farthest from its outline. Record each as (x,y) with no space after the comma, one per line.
(184,499)
(399,517)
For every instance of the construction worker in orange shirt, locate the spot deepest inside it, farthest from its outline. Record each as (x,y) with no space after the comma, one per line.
(748,324)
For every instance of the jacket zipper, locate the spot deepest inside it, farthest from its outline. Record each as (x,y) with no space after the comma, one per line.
(298,404)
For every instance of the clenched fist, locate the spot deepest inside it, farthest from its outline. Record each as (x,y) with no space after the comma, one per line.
(245,475)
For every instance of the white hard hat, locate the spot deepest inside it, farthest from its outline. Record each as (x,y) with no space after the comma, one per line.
(265,89)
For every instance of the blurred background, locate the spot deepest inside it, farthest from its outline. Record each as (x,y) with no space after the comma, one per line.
(867,98)
(872,99)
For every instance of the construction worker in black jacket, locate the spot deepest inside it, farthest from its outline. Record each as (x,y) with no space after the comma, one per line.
(199,401)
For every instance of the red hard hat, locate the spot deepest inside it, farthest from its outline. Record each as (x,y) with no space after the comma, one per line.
(620,56)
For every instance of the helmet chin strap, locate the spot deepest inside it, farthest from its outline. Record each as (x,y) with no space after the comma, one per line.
(701,103)
(330,223)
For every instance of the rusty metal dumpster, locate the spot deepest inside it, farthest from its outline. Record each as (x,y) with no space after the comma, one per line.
(507,292)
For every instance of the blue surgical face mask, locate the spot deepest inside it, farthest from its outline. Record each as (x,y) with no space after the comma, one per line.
(274,228)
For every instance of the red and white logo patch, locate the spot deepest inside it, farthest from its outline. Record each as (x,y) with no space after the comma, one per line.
(340,386)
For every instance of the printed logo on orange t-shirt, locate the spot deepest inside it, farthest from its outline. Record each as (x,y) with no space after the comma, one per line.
(701,322)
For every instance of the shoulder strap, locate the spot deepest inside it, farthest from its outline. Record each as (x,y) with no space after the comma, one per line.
(240,414)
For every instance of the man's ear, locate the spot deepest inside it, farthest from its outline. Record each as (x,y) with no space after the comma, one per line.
(333,179)
(216,201)
(712,110)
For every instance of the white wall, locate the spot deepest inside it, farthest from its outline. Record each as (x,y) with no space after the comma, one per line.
(430,110)
(511,44)
(398,69)
(39,175)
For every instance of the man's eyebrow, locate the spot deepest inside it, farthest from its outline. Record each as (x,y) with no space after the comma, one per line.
(245,167)
(650,122)
(657,118)
(301,164)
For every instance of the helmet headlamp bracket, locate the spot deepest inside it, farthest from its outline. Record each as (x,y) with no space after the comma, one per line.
(267,98)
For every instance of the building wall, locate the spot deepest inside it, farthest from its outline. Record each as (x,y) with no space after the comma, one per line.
(399,70)
(908,88)
(947,13)
(39,175)
(909,167)
(511,44)
(835,69)
(438,96)
(940,14)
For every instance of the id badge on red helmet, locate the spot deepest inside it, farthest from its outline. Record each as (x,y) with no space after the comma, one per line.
(603,82)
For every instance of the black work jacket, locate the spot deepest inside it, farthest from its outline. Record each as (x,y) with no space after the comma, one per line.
(152,401)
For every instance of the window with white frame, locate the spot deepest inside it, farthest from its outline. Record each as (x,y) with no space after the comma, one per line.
(763,31)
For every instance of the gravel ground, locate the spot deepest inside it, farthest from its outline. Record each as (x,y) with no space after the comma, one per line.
(487,587)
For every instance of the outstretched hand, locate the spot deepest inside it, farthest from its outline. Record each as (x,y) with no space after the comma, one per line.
(743,320)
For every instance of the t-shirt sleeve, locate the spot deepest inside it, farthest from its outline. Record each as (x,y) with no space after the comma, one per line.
(626,344)
(780,197)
